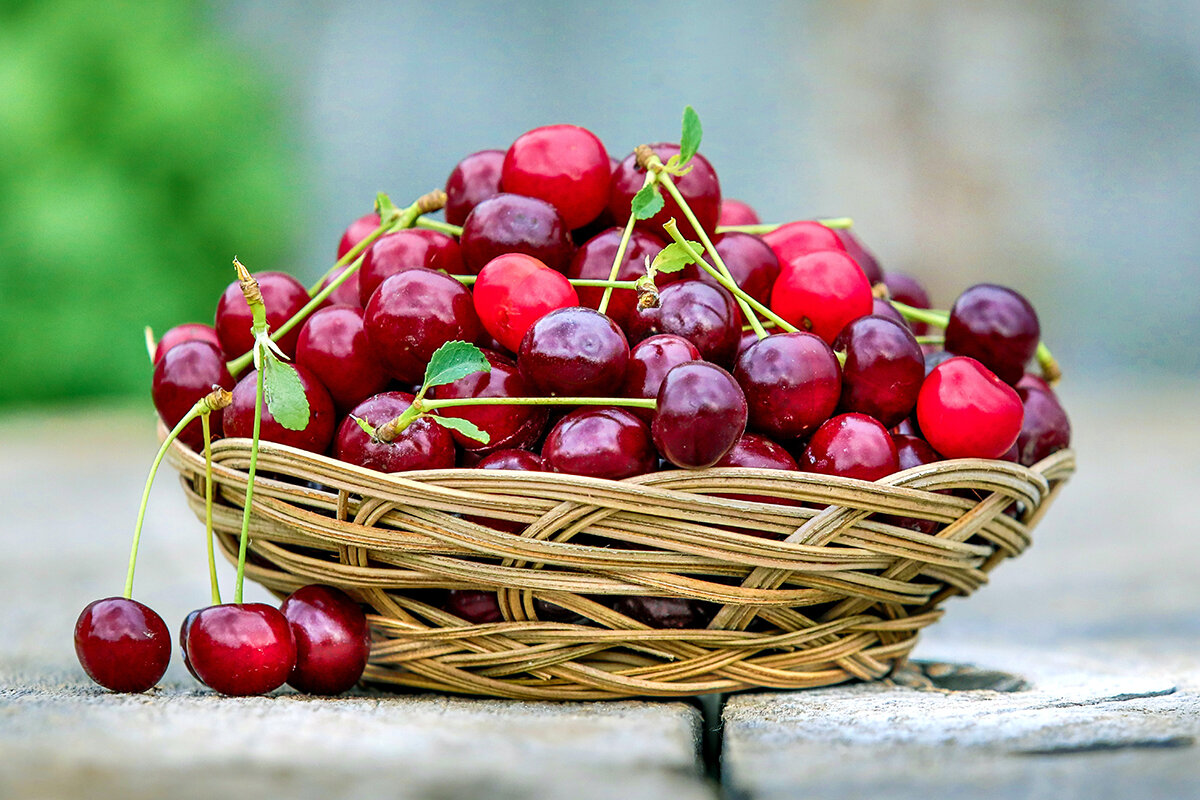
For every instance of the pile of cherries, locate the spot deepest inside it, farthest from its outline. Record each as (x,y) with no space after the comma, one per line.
(843,369)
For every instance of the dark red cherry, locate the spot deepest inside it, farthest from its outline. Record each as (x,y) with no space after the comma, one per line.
(1031,381)
(997,327)
(424,444)
(796,239)
(412,314)
(882,308)
(1045,428)
(514,291)
(406,249)
(934,359)
(474,179)
(507,426)
(333,345)
(183,633)
(565,165)
(594,260)
(703,314)
(913,451)
(513,223)
(187,332)
(792,382)
(864,257)
(315,437)
(476,607)
(735,212)
(649,362)
(600,442)
(750,261)
(332,639)
(908,290)
(122,645)
(821,292)
(852,446)
(665,612)
(358,230)
(186,373)
(758,452)
(884,369)
(241,649)
(965,411)
(574,352)
(514,459)
(700,188)
(701,413)
(283,296)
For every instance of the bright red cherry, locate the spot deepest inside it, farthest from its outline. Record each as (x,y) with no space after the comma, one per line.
(358,230)
(792,382)
(574,352)
(333,345)
(735,212)
(601,442)
(238,416)
(187,372)
(513,223)
(821,292)
(594,260)
(565,165)
(701,413)
(424,444)
(241,649)
(187,332)
(283,296)
(507,426)
(865,258)
(796,239)
(332,639)
(514,291)
(649,362)
(997,327)
(474,179)
(406,249)
(965,411)
(700,188)
(852,446)
(122,645)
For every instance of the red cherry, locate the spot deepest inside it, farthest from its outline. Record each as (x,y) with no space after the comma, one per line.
(600,442)
(797,239)
(475,607)
(513,223)
(520,460)
(424,444)
(792,383)
(701,413)
(333,345)
(474,179)
(705,315)
(187,332)
(735,212)
(852,446)
(758,452)
(358,230)
(238,417)
(908,290)
(565,165)
(700,188)
(749,260)
(186,373)
(122,645)
(406,249)
(884,369)
(649,362)
(506,426)
(1045,428)
(593,261)
(574,352)
(965,411)
(348,292)
(332,639)
(283,296)
(241,649)
(821,292)
(514,291)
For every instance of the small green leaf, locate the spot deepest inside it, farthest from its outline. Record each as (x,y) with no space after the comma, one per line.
(647,202)
(461,425)
(674,257)
(284,393)
(452,361)
(689,141)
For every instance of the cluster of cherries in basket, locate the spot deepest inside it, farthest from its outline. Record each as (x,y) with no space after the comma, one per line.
(575,314)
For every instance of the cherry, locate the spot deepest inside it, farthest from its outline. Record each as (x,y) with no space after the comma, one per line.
(997,327)
(474,606)
(241,649)
(513,223)
(735,212)
(758,452)
(852,446)
(797,239)
(348,292)
(1031,381)
(514,291)
(1045,428)
(356,231)
(424,444)
(750,261)
(238,416)
(594,260)
(332,639)
(748,338)
(474,179)
(514,426)
(521,460)
(934,359)
(187,372)
(912,451)
(122,645)
(565,165)
(333,345)
(187,332)
(406,249)
(700,188)
(412,314)
(283,296)
(862,256)
(792,383)
(882,308)
(704,314)
(574,352)
(600,442)
(649,362)
(821,292)
(701,413)
(664,612)
(908,290)
(884,369)
(965,411)
(183,632)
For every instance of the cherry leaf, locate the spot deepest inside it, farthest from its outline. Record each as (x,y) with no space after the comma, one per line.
(647,202)
(689,140)
(674,257)
(452,361)
(465,427)
(284,393)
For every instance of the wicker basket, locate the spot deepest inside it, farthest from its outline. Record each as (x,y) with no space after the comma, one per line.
(829,591)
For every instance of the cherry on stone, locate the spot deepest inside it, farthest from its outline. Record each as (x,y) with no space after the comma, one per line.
(1045,428)
(750,262)
(700,188)
(852,446)
(884,369)
(602,442)
(333,345)
(649,362)
(735,212)
(700,415)
(332,639)
(283,296)
(565,165)
(507,426)
(424,444)
(965,411)
(792,383)
(473,180)
(864,257)
(513,223)
(705,315)
(238,416)
(574,352)
(356,231)
(796,239)
(400,250)
(821,292)
(997,327)
(187,332)
(183,633)
(186,373)
(594,260)
(241,649)
(122,645)
(514,291)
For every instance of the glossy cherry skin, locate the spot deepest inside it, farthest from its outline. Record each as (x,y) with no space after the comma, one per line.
(333,345)
(594,260)
(865,258)
(852,446)
(664,612)
(241,649)
(600,442)
(122,645)
(187,332)
(997,327)
(750,261)
(356,231)
(183,632)
(315,437)
(400,250)
(474,179)
(649,362)
(1045,428)
(965,411)
(821,292)
(796,239)
(507,426)
(474,606)
(908,290)
(574,352)
(424,444)
(565,165)
(348,292)
(703,314)
(792,383)
(701,413)
(412,314)
(513,223)
(700,188)
(884,369)
(186,373)
(332,639)
(514,291)
(735,212)
(283,296)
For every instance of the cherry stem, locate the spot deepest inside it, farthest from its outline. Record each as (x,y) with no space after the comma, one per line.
(439,226)
(837,223)
(388,431)
(208,508)
(619,259)
(934,340)
(245,536)
(151,345)
(470,279)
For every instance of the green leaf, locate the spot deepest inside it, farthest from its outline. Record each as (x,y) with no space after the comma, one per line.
(689,140)
(674,257)
(284,393)
(647,202)
(452,361)
(461,425)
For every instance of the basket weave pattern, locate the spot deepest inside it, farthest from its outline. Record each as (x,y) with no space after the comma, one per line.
(829,590)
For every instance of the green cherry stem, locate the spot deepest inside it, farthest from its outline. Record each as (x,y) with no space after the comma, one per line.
(151,345)
(619,259)
(468,280)
(933,340)
(208,508)
(837,223)
(439,226)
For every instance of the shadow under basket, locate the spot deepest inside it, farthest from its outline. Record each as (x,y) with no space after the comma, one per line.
(829,584)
